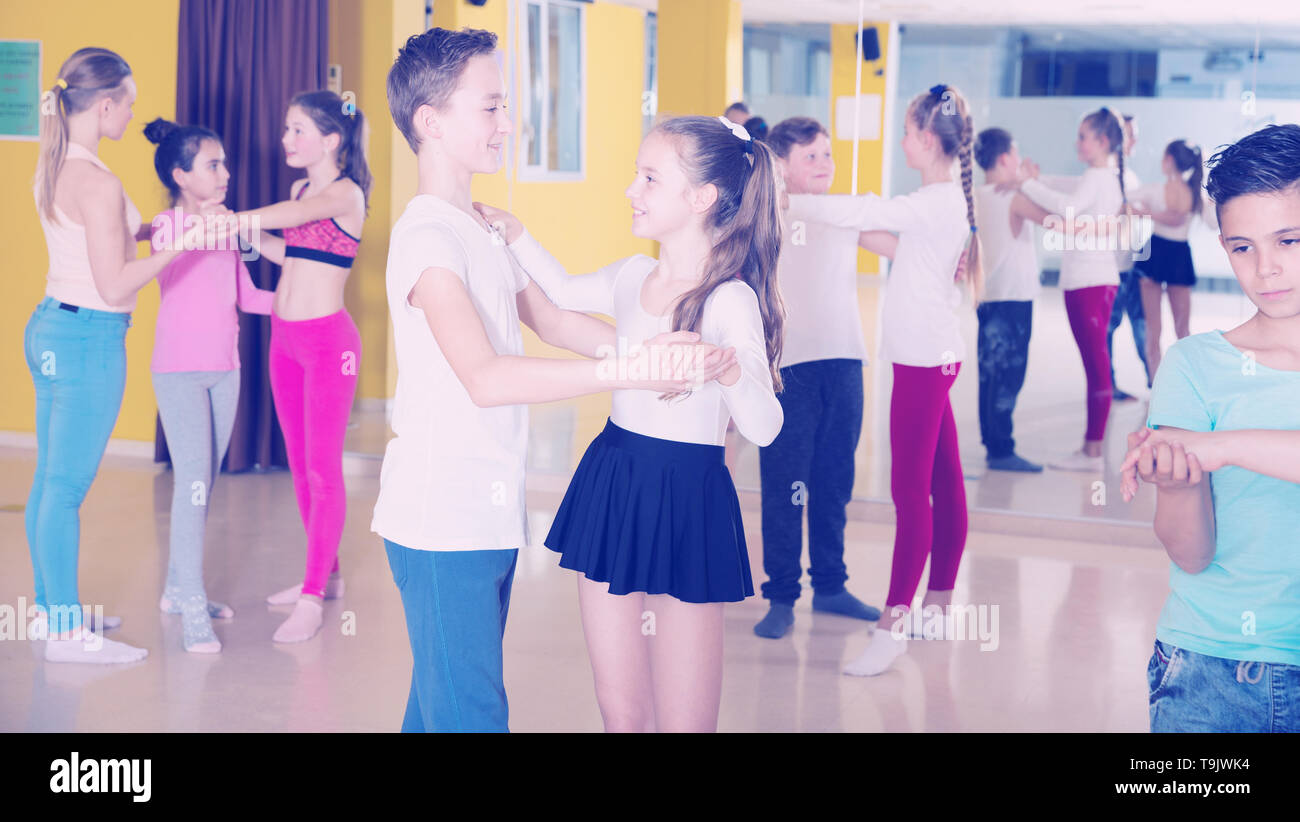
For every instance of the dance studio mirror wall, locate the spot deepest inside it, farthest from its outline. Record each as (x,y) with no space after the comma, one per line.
(1209,85)
(1206,85)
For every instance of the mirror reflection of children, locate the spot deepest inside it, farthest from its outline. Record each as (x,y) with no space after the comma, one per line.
(810,464)
(922,338)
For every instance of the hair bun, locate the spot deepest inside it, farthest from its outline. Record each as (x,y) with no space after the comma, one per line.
(159,129)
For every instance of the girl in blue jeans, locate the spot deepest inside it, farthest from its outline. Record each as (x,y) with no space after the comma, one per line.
(75,340)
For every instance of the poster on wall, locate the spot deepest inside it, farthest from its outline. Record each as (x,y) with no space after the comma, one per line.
(20,89)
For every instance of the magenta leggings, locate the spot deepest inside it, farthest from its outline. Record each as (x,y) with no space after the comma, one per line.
(313,366)
(925,463)
(1089,313)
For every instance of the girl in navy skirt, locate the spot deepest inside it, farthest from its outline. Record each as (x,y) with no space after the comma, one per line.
(1171,204)
(651,520)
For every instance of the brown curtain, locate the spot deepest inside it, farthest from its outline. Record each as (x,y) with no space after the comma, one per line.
(239,62)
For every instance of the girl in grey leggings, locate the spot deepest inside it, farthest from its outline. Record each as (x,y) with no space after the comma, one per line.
(196,364)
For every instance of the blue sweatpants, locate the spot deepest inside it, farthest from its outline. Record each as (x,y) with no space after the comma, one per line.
(77,360)
(456,604)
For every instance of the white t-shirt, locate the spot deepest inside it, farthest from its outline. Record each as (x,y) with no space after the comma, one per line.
(818,275)
(1010,261)
(919,325)
(453,476)
(1095,196)
(731,318)
(1153,195)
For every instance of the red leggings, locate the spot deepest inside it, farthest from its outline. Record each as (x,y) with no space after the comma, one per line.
(1089,313)
(925,463)
(313,366)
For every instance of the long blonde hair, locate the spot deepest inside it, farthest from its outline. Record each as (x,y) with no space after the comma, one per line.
(746,219)
(86,77)
(944,113)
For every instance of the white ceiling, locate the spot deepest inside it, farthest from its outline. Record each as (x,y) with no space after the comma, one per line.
(1023,12)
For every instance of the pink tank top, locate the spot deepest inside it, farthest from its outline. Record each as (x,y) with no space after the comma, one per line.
(321,240)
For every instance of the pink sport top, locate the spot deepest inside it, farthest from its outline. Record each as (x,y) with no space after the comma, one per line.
(198,329)
(321,240)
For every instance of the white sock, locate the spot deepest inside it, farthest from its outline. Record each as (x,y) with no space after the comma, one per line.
(333,590)
(880,654)
(91,647)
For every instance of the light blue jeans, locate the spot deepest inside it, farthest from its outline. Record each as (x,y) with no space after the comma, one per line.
(1191,692)
(456,604)
(78,364)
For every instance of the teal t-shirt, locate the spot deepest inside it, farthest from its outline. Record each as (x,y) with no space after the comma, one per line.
(1246,604)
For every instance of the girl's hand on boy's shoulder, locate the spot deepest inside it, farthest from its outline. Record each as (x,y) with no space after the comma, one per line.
(505,223)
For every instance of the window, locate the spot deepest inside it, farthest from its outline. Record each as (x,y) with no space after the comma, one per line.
(650,94)
(553,56)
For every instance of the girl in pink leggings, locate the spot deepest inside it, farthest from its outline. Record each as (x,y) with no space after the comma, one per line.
(315,346)
(1090,265)
(922,338)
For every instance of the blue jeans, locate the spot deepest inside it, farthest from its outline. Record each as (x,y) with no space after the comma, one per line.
(1195,692)
(1003,351)
(456,604)
(78,366)
(1128,300)
(822,402)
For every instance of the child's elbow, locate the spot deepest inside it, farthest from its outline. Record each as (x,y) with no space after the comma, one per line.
(763,432)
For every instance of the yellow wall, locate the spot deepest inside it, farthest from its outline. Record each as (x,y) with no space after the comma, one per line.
(845,57)
(701,56)
(145,36)
(364,45)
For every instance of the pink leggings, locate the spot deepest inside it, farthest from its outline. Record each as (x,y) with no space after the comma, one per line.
(1089,313)
(313,366)
(925,463)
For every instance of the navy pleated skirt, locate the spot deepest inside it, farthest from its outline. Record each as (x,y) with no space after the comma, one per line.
(656,516)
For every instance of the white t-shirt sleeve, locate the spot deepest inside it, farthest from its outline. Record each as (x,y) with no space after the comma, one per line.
(864,212)
(579,292)
(1083,199)
(733,317)
(424,246)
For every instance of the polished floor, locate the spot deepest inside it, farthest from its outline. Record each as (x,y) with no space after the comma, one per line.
(1069,583)
(1073,628)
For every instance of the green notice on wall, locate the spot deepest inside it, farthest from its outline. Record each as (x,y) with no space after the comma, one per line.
(20,89)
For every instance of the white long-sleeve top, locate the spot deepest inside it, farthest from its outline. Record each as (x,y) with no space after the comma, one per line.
(731,318)
(1097,196)
(919,325)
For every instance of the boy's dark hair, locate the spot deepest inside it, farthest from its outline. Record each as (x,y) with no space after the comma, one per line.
(1260,163)
(736,106)
(793,131)
(427,71)
(990,145)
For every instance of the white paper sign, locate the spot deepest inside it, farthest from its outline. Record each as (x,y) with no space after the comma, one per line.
(869,124)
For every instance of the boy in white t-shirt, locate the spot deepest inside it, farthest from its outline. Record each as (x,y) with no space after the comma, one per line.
(810,464)
(451,504)
(1011,283)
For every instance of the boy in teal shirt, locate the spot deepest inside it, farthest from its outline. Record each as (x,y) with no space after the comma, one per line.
(1227,651)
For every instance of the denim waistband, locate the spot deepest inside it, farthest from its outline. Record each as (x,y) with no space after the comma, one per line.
(73,313)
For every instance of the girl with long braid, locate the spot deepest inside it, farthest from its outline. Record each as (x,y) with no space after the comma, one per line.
(1089,270)
(935,228)
(315,345)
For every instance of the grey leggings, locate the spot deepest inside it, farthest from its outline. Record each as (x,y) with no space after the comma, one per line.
(198,414)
